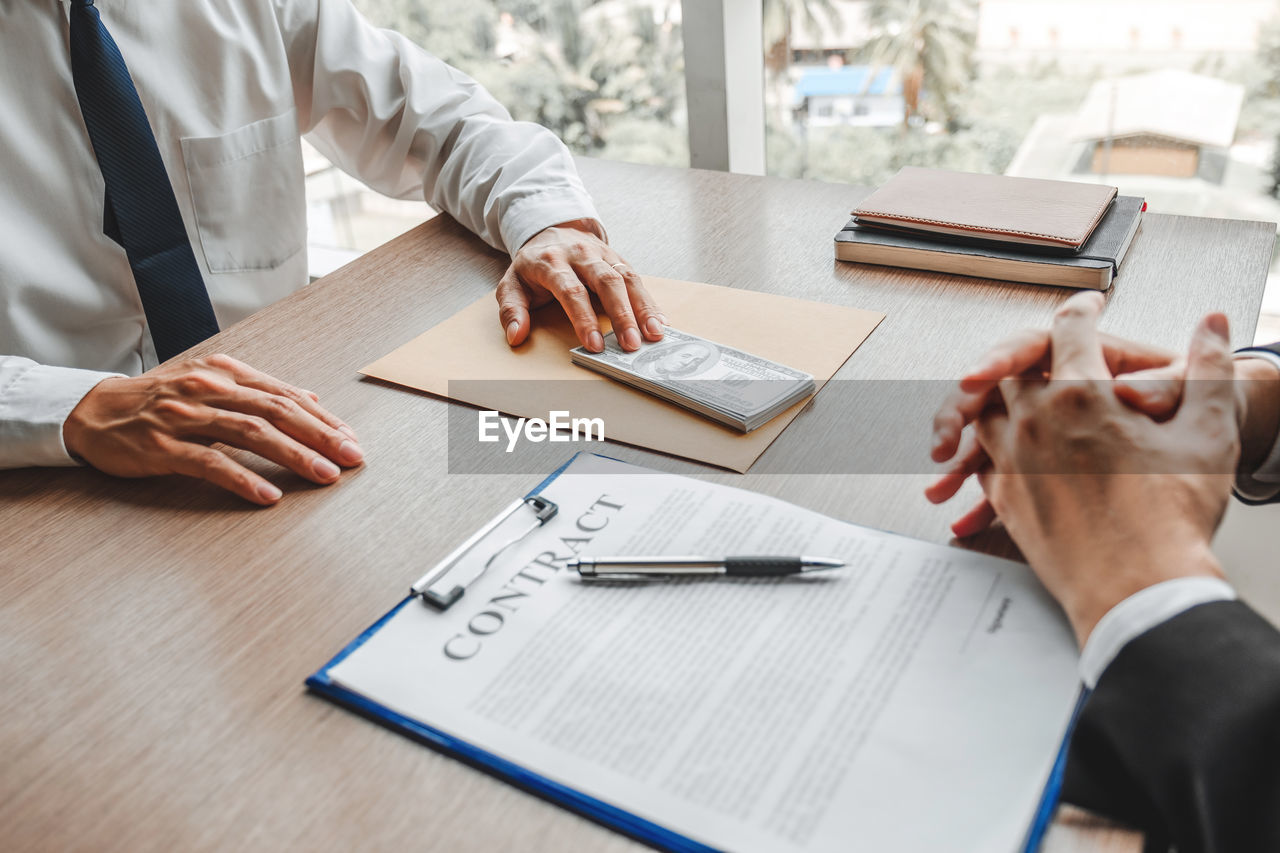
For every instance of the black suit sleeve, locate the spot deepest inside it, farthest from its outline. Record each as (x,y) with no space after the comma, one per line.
(1275,349)
(1181,736)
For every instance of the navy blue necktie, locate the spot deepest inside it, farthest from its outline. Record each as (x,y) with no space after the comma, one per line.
(147,222)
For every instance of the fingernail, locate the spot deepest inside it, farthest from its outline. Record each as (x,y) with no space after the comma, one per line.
(324,469)
(654,327)
(595,342)
(1217,324)
(348,432)
(350,453)
(662,318)
(631,338)
(268,492)
(512,328)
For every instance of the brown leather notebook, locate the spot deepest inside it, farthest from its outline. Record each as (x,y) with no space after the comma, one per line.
(1025,211)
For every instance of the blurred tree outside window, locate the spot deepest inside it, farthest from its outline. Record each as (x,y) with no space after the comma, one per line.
(607,76)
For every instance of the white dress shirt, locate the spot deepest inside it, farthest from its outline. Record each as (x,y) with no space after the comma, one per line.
(229,87)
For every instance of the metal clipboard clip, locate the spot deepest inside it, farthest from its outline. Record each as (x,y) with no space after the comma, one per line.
(436,589)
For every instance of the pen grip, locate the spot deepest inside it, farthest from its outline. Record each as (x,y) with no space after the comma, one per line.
(761,567)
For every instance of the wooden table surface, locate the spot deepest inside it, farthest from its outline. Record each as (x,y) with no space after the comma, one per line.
(155,634)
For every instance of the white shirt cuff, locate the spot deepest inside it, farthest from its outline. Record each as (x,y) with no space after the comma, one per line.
(1264,483)
(532,213)
(35,400)
(1141,612)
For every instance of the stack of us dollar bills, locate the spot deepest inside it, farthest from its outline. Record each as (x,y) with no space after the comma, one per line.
(727,385)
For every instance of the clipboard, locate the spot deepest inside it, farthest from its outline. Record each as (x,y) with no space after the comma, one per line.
(598,811)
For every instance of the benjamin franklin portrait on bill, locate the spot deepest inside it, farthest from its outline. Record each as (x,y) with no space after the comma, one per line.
(677,360)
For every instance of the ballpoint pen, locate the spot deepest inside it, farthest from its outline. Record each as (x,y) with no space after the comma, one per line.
(686,566)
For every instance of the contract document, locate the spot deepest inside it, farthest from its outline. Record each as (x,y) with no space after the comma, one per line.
(915,700)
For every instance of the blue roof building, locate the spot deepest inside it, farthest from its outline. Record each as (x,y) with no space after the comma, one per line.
(849,80)
(861,95)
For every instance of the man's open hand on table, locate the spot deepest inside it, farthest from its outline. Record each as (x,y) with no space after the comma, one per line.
(163,422)
(568,263)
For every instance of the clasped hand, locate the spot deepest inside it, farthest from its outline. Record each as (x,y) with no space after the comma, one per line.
(1107,486)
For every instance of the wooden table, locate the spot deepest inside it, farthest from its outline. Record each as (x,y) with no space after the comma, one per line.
(155,634)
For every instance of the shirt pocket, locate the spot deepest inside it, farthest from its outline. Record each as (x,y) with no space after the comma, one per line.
(247,192)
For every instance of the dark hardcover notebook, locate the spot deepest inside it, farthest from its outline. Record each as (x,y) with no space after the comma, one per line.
(1095,266)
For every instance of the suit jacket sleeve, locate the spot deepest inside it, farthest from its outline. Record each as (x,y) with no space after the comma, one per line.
(1181,736)
(1249,489)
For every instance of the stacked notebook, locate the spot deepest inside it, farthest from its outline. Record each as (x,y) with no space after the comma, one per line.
(1017,229)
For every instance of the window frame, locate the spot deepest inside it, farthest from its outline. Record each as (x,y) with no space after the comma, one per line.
(724,84)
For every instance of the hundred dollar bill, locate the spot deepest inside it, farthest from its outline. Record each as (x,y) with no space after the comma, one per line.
(720,382)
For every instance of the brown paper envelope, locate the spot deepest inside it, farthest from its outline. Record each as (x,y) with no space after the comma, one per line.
(809,336)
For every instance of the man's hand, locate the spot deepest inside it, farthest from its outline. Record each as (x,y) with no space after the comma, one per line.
(1148,379)
(1102,499)
(568,263)
(1158,392)
(1027,354)
(163,422)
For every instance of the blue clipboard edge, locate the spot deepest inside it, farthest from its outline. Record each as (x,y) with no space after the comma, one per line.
(556,473)
(597,811)
(589,807)
(1053,787)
